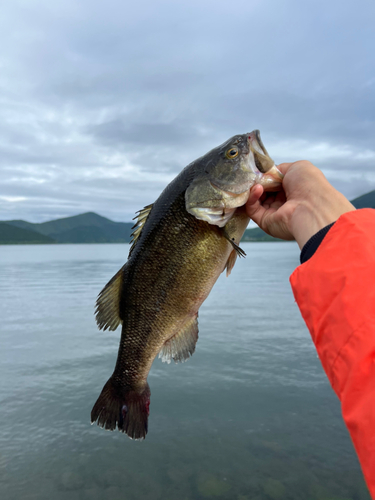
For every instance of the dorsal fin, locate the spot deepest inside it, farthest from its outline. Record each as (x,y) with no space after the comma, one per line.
(107,310)
(182,345)
(138,226)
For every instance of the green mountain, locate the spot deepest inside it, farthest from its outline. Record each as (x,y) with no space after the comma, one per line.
(12,235)
(93,228)
(257,234)
(84,228)
(365,201)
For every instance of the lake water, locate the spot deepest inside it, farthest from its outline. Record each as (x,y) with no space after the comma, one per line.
(250,416)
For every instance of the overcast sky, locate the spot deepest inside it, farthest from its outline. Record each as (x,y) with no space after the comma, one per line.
(102,103)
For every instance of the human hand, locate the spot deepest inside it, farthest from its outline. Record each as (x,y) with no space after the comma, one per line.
(306,204)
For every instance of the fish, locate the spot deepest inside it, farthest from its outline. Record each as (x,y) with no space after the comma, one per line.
(181,244)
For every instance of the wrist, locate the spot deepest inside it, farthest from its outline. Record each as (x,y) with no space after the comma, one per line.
(310,219)
(313,243)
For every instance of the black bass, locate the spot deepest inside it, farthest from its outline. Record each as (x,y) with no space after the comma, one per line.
(181,244)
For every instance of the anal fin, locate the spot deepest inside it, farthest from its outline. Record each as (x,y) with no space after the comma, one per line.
(107,310)
(182,345)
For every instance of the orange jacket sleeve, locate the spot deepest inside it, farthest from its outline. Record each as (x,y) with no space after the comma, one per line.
(335,292)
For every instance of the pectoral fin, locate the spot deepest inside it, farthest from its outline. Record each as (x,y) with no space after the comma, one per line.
(238,249)
(107,310)
(182,345)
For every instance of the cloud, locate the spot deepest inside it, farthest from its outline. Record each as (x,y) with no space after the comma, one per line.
(104,102)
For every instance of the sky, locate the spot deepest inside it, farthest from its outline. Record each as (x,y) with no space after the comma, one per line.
(102,103)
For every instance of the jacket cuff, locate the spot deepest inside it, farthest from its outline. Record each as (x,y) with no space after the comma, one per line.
(313,243)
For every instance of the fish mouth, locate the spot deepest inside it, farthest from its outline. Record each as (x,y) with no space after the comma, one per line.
(259,159)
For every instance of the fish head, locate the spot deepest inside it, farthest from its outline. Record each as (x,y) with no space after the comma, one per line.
(224,176)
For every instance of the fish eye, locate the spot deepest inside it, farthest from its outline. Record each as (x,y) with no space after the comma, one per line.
(231,153)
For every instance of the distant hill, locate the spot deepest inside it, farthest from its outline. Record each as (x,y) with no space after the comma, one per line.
(84,228)
(365,201)
(93,228)
(257,234)
(12,235)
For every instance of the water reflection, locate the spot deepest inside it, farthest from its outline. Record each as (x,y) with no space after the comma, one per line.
(249,416)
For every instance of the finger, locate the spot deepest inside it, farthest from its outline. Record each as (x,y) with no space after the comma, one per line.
(281,197)
(263,197)
(256,212)
(255,193)
(275,205)
(276,200)
(268,202)
(284,167)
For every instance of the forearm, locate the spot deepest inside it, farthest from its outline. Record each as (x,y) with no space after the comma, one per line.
(335,293)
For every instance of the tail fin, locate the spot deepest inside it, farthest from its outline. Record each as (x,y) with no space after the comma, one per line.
(124,408)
